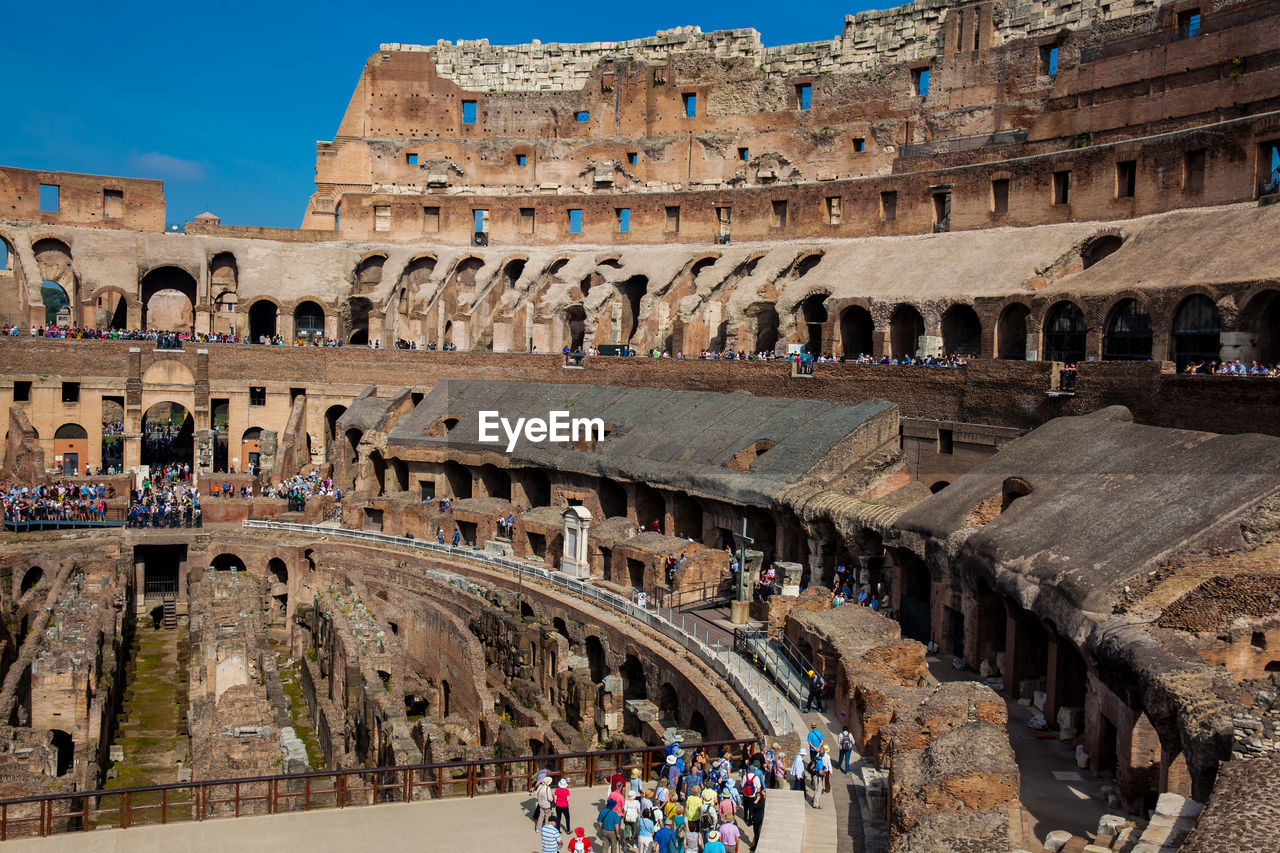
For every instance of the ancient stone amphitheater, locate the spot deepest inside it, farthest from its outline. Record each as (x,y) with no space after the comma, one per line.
(928,311)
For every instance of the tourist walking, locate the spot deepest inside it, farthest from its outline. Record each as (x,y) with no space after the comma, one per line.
(544,804)
(610,825)
(550,838)
(562,805)
(846,748)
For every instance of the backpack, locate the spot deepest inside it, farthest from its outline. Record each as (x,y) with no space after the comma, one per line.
(707,821)
(579,845)
(846,741)
(749,786)
(631,814)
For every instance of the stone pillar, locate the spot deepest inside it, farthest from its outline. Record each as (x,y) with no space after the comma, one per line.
(668,513)
(1093,345)
(204,440)
(880,342)
(789,575)
(630,489)
(929,346)
(1241,345)
(576,558)
(203,321)
(284,327)
(1052,681)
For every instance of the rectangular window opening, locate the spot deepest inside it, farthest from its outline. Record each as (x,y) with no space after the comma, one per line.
(1126,178)
(71,392)
(690,104)
(480,220)
(582,116)
(431,219)
(673,219)
(1049,61)
(527,220)
(48,198)
(779,219)
(1000,196)
(411,159)
(888,206)
(945,442)
(920,81)
(112,204)
(522,159)
(1269,166)
(1193,171)
(744,155)
(21,391)
(1062,187)
(382,217)
(632,157)
(804,95)
(942,211)
(575,221)
(833,210)
(427,489)
(257,395)
(859,144)
(1189,24)
(468,112)
(624,220)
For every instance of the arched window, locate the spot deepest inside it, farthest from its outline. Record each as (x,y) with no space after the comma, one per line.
(1128,335)
(1011,332)
(1197,329)
(1064,333)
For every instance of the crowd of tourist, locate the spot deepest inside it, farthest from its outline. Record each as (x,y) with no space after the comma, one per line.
(1231,368)
(696,803)
(57,502)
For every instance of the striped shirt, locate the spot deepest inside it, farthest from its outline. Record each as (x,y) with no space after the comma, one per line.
(550,838)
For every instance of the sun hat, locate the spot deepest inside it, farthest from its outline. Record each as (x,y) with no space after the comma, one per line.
(708,795)
(580,832)
(564,783)
(635,774)
(713,835)
(671,759)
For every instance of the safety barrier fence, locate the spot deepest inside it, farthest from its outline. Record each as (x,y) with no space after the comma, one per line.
(56,814)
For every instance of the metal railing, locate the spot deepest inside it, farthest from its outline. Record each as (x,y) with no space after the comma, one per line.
(766,707)
(677,599)
(56,814)
(785,667)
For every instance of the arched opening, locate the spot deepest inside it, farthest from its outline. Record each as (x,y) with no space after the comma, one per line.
(698,723)
(458,478)
(1100,248)
(445,698)
(277,570)
(71,449)
(65,748)
(168,300)
(227,563)
(633,685)
(447,340)
(1128,334)
(511,272)
(33,576)
(651,508)
(1011,332)
(526,612)
(575,317)
(813,313)
(399,473)
(1064,333)
(168,433)
(613,499)
(1012,489)
(1260,321)
(57,305)
(497,482)
(379,468)
(906,327)
(961,331)
(262,321)
(537,487)
(358,309)
(765,316)
(464,272)
(351,460)
(687,518)
(562,627)
(331,416)
(308,322)
(857,331)
(632,291)
(251,450)
(112,310)
(595,659)
(668,703)
(938,486)
(224,312)
(1197,329)
(278,573)
(4,254)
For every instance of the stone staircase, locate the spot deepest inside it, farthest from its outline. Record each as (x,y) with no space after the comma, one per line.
(170,611)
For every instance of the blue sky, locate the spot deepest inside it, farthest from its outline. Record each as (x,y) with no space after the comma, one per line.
(225,101)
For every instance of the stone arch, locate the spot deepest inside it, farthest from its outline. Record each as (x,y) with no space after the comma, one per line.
(367,274)
(701,264)
(857,331)
(177,448)
(168,299)
(803,264)
(6,253)
(1195,334)
(1011,331)
(764,317)
(1127,334)
(811,318)
(227,562)
(575,322)
(264,320)
(111,307)
(512,269)
(58,308)
(308,320)
(30,578)
(633,680)
(1258,326)
(668,702)
(54,263)
(632,291)
(906,327)
(331,416)
(961,330)
(596,658)
(464,271)
(224,273)
(698,723)
(358,309)
(1064,333)
(1100,247)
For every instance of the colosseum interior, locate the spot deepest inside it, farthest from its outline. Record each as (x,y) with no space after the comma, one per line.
(926,314)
